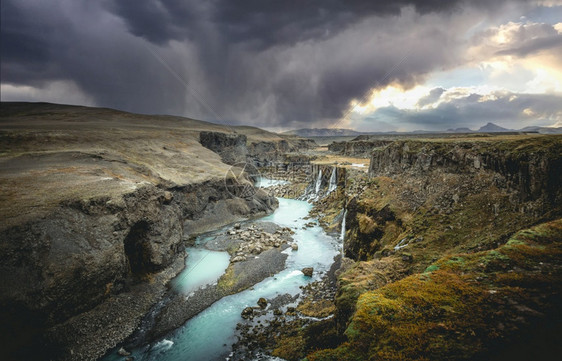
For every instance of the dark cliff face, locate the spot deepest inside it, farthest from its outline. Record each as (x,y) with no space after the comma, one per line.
(265,153)
(358,147)
(231,147)
(365,230)
(85,253)
(234,148)
(457,193)
(531,169)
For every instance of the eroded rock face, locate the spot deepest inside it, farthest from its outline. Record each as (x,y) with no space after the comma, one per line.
(231,147)
(87,252)
(529,167)
(361,146)
(235,148)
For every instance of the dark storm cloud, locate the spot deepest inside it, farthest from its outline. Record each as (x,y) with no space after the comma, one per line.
(264,23)
(432,97)
(158,21)
(505,108)
(77,42)
(268,63)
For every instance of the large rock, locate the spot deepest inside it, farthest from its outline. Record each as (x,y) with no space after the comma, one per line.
(307,271)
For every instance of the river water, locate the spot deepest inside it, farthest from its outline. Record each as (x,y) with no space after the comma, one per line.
(209,335)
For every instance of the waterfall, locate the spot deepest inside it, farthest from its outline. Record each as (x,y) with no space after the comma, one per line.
(342,235)
(333,181)
(319,181)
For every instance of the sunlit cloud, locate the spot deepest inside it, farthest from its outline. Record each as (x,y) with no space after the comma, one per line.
(516,64)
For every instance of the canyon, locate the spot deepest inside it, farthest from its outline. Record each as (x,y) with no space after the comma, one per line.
(98,207)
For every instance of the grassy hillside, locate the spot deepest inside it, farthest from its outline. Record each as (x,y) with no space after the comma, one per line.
(51,153)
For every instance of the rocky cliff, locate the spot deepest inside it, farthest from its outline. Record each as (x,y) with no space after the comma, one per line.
(235,148)
(362,146)
(531,168)
(231,147)
(96,205)
(451,248)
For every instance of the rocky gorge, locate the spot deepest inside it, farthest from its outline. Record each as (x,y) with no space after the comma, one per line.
(97,208)
(385,262)
(431,236)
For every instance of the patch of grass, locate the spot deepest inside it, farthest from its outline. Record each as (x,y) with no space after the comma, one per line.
(316,308)
(366,224)
(290,348)
(227,281)
(470,306)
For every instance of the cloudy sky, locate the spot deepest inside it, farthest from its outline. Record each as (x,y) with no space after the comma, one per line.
(362,64)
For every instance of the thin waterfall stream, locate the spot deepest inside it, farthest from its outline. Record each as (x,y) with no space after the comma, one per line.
(318,182)
(333,184)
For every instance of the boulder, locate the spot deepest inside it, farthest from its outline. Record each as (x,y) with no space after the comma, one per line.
(407,257)
(308,271)
(262,302)
(248,312)
(123,352)
(168,196)
(238,259)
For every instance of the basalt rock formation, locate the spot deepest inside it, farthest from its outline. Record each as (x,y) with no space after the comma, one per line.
(235,148)
(96,207)
(362,146)
(231,147)
(530,168)
(452,252)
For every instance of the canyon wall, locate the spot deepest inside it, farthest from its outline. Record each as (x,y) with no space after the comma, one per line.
(96,208)
(236,148)
(531,169)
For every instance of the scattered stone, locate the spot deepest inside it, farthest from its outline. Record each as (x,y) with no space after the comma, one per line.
(248,312)
(262,302)
(123,352)
(168,196)
(308,271)
(407,257)
(476,163)
(295,247)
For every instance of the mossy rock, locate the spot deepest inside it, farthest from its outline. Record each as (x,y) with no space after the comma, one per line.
(464,307)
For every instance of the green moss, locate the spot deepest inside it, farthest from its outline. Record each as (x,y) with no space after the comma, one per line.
(469,306)
(290,348)
(227,281)
(342,353)
(431,268)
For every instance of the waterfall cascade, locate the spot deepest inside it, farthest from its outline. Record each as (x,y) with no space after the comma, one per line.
(342,235)
(318,181)
(333,181)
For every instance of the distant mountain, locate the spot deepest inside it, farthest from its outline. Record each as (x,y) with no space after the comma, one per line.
(460,130)
(323,132)
(492,128)
(547,130)
(488,128)
(542,130)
